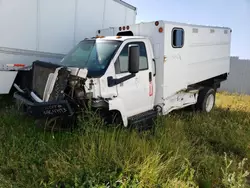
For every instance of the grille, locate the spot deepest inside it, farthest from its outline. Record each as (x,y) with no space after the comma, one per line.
(41,71)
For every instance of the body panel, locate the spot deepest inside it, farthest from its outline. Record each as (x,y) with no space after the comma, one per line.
(6,80)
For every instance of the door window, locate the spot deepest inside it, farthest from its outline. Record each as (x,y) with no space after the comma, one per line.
(121,64)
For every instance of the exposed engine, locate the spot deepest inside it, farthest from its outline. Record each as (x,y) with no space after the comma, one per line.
(55,92)
(51,82)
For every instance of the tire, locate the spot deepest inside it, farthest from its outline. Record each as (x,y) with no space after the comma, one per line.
(206,100)
(116,118)
(112,118)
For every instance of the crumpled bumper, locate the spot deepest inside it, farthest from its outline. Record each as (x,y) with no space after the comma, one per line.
(43,109)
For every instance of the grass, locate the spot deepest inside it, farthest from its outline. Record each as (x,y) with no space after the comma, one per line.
(187,150)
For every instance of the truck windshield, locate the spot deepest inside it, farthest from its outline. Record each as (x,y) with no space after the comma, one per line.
(95,55)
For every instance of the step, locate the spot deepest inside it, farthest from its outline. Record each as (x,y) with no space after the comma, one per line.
(142,117)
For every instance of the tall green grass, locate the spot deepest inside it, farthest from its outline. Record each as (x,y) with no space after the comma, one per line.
(186,150)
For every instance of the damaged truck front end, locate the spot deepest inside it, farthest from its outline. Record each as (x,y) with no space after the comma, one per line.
(57,93)
(48,97)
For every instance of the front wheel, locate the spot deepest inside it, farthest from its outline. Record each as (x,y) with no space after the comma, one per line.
(206,100)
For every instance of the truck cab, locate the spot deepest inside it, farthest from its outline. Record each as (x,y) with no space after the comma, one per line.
(117,74)
(121,70)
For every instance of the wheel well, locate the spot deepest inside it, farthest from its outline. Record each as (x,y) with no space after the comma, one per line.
(112,116)
(115,116)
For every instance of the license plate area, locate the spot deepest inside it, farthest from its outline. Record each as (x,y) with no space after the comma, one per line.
(50,109)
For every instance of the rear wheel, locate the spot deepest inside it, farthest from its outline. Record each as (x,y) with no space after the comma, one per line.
(206,100)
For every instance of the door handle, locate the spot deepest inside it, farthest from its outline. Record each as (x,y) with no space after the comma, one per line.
(150,76)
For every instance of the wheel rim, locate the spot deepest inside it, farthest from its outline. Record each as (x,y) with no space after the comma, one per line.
(210,103)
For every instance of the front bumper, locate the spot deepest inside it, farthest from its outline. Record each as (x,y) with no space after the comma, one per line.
(44,109)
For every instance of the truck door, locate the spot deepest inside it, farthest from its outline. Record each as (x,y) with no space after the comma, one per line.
(137,92)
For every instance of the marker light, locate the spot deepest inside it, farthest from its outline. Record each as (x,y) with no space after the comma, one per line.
(100,36)
(124,27)
(120,28)
(156,23)
(160,29)
(15,65)
(127,27)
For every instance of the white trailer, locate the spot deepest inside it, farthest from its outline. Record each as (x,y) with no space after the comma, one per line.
(46,30)
(134,73)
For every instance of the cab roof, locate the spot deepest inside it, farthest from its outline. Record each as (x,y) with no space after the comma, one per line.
(118,38)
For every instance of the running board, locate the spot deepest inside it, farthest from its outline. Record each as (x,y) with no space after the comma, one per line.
(143,121)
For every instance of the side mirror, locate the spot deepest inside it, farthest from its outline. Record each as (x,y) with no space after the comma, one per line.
(133,59)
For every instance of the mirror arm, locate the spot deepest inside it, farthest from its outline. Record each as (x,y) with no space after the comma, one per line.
(113,82)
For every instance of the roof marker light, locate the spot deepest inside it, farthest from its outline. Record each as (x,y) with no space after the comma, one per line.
(100,36)
(156,23)
(160,29)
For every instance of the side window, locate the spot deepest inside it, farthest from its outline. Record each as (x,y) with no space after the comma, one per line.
(177,38)
(122,61)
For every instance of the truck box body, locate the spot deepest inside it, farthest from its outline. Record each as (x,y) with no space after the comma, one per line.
(185,54)
(46,30)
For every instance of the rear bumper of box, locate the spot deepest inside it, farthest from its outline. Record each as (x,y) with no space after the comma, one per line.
(44,109)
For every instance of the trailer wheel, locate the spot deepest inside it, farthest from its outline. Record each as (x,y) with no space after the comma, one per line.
(206,100)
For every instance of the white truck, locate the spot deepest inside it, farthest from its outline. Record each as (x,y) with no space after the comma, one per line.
(131,74)
(46,30)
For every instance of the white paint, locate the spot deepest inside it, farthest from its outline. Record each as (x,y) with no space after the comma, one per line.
(50,84)
(135,92)
(82,73)
(6,80)
(56,25)
(118,104)
(18,20)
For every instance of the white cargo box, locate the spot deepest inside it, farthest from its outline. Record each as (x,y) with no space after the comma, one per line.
(47,30)
(185,54)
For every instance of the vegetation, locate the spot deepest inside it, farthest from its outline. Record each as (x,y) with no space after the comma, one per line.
(186,150)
